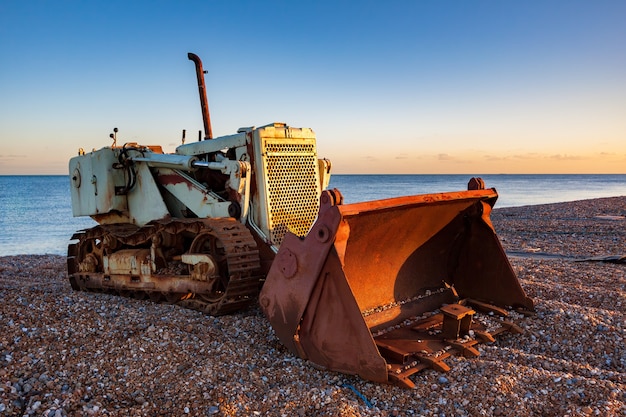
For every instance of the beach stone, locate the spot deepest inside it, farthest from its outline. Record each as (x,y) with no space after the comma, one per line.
(97,356)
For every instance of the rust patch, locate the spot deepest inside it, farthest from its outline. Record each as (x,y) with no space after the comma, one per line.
(171,179)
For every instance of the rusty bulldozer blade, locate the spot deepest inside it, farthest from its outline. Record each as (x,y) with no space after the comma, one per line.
(385,288)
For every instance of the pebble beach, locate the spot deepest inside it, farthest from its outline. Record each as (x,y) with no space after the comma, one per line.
(66,353)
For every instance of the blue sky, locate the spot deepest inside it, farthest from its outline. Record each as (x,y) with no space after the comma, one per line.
(389,87)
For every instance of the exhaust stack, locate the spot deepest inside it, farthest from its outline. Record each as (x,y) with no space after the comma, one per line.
(208,133)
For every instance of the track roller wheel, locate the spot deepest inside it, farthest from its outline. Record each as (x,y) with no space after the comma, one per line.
(207,243)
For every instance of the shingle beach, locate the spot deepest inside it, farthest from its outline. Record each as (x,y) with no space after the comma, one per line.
(66,353)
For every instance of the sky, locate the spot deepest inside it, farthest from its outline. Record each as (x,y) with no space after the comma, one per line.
(417,87)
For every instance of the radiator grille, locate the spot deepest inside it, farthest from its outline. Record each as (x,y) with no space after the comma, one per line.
(292,186)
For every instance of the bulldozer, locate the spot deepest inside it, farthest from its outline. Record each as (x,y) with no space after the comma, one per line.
(381,289)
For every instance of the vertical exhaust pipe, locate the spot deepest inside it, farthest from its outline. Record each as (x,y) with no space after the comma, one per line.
(208,133)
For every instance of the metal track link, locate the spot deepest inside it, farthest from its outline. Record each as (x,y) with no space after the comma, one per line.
(240,263)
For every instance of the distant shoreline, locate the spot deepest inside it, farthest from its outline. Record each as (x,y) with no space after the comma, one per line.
(607,209)
(30,213)
(422,174)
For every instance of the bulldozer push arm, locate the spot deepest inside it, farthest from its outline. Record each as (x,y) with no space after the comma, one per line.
(381,289)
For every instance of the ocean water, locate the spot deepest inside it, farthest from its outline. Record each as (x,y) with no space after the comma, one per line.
(36,211)
(36,215)
(513,190)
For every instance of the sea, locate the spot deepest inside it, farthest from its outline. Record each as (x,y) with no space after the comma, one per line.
(36,211)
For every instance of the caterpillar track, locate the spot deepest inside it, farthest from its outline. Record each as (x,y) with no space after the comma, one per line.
(210,265)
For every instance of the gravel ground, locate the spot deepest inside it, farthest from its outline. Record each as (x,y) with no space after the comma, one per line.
(65,353)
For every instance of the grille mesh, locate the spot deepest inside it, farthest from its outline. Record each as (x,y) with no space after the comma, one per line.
(292,187)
